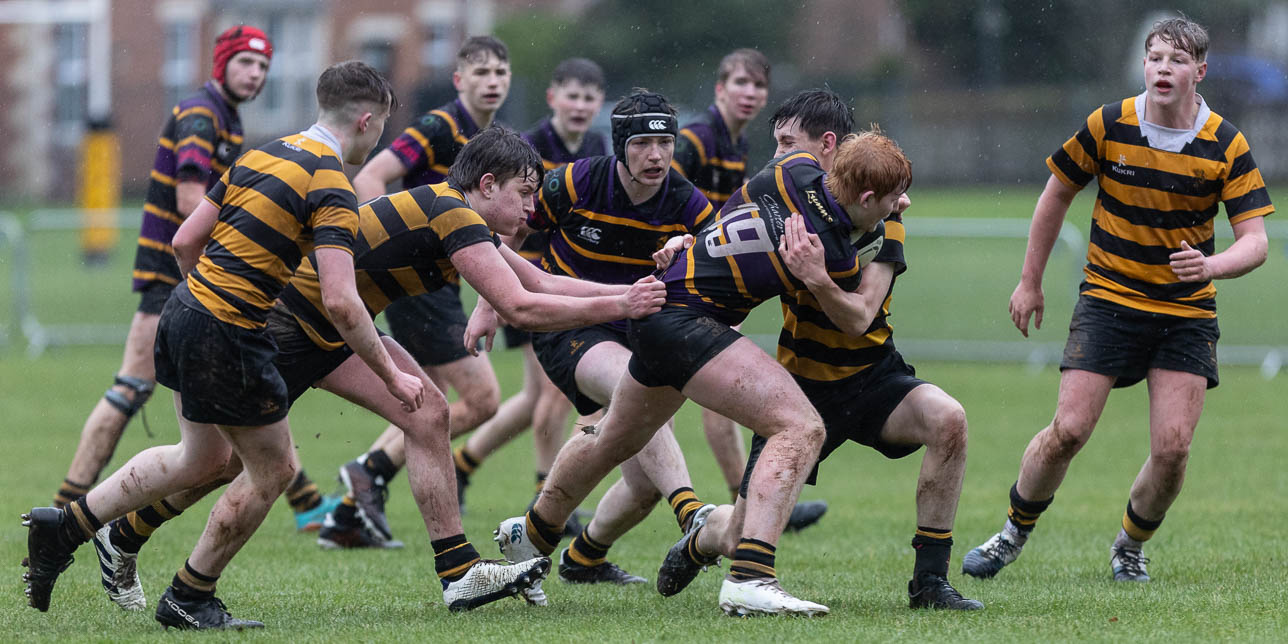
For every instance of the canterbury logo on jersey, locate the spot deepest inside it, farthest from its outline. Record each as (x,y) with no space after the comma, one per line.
(590,234)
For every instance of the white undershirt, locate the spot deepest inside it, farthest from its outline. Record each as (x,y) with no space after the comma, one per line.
(1169,138)
(323,135)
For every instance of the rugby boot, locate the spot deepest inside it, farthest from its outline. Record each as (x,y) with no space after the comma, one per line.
(369,494)
(47,557)
(311,520)
(1128,564)
(933,591)
(990,557)
(678,568)
(489,580)
(511,536)
(605,573)
(341,536)
(120,571)
(763,596)
(198,614)
(805,514)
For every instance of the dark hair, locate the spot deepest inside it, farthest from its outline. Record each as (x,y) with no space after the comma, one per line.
(818,111)
(756,64)
(582,70)
(343,84)
(476,48)
(497,150)
(1183,34)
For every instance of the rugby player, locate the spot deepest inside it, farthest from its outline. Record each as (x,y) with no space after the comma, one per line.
(270,208)
(858,383)
(688,350)
(606,216)
(575,96)
(431,325)
(411,242)
(200,139)
(712,153)
(1146,310)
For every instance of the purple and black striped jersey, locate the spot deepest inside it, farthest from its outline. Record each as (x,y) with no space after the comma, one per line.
(597,234)
(404,247)
(812,348)
(553,151)
(708,156)
(428,147)
(734,264)
(200,140)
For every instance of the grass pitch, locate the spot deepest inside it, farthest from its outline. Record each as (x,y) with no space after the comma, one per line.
(1218,560)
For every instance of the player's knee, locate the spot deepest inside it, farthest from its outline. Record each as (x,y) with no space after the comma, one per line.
(1069,433)
(948,423)
(427,424)
(483,400)
(1171,454)
(128,394)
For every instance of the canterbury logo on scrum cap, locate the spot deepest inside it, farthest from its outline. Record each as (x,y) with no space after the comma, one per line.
(257,44)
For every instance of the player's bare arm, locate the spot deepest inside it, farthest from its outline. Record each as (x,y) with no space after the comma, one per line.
(1246,253)
(1027,299)
(193,235)
(187,196)
(380,171)
(345,308)
(485,269)
(802,252)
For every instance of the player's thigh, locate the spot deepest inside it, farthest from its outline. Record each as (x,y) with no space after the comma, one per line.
(600,369)
(1175,404)
(746,385)
(922,413)
(137,360)
(637,413)
(354,381)
(1080,402)
(472,376)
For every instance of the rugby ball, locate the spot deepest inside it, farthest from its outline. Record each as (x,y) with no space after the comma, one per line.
(868,244)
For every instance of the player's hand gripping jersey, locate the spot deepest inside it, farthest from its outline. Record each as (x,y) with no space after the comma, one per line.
(734,264)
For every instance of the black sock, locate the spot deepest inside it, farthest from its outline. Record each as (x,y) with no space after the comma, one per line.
(453,557)
(189,584)
(1024,513)
(303,493)
(465,464)
(933,547)
(69,491)
(585,551)
(378,464)
(1138,527)
(684,503)
(541,480)
(345,514)
(79,524)
(130,532)
(542,534)
(753,559)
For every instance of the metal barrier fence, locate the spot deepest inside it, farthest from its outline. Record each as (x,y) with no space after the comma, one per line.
(1070,248)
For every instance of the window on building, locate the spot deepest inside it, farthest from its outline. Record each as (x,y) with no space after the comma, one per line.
(71,77)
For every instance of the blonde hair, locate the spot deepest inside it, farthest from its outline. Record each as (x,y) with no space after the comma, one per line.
(868,161)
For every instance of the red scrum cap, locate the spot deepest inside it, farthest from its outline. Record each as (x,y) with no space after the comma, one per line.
(238,39)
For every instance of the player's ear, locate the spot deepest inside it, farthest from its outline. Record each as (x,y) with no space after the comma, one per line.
(364,121)
(829,142)
(867,198)
(487,184)
(1202,72)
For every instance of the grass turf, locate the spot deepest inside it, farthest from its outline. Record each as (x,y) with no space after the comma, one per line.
(1218,559)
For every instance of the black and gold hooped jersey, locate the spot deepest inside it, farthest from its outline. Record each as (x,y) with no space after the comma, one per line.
(596,233)
(276,204)
(734,264)
(707,155)
(1150,200)
(404,247)
(811,347)
(428,147)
